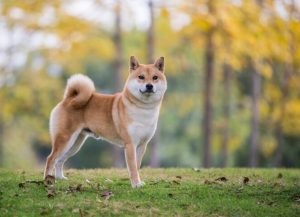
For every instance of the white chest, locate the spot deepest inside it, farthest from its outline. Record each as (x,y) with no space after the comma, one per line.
(143,125)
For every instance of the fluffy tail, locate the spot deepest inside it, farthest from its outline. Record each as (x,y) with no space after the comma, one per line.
(78,91)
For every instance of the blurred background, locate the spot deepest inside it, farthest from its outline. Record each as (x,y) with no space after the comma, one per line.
(233,96)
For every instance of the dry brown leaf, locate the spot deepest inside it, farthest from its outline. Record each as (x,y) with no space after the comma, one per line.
(221,179)
(279,175)
(106,194)
(35,182)
(246,180)
(179,177)
(22,185)
(176,182)
(50,192)
(80,212)
(171,195)
(208,182)
(73,189)
(49,180)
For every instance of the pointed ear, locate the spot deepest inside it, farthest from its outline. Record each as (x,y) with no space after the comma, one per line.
(160,64)
(133,63)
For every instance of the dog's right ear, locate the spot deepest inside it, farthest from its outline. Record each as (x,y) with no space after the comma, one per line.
(133,64)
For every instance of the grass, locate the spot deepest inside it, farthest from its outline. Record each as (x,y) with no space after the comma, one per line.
(168,192)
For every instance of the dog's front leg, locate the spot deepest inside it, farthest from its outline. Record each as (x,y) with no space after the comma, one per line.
(130,155)
(140,151)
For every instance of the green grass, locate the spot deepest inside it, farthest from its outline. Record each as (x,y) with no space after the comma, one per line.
(168,192)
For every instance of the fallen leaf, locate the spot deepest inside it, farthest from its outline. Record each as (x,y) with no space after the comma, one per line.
(22,185)
(76,210)
(176,182)
(259,181)
(106,194)
(50,192)
(246,180)
(79,187)
(155,182)
(60,206)
(179,177)
(73,189)
(49,180)
(222,179)
(279,175)
(35,182)
(208,182)
(278,184)
(80,212)
(171,195)
(88,181)
(108,180)
(264,202)
(45,211)
(196,169)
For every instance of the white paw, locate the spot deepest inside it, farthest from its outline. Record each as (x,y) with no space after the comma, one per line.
(62,177)
(138,184)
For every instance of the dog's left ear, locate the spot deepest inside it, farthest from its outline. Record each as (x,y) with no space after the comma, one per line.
(160,64)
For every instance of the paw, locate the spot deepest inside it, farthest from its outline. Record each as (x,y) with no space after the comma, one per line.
(61,177)
(138,184)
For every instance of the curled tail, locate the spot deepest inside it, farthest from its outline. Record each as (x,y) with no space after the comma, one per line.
(78,91)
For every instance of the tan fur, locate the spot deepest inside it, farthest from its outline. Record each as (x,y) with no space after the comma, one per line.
(127,119)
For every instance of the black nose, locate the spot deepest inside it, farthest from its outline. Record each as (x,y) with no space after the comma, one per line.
(149,86)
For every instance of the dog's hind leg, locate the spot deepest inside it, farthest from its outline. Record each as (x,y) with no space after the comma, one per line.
(74,144)
(58,146)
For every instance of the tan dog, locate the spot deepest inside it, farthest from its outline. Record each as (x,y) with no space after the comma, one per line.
(127,119)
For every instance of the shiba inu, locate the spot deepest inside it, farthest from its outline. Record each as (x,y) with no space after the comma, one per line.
(127,119)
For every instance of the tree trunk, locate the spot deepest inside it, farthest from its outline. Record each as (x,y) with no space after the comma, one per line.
(1,144)
(117,152)
(278,128)
(226,113)
(208,92)
(284,88)
(254,139)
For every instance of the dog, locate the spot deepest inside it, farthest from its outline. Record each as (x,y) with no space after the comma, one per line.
(127,119)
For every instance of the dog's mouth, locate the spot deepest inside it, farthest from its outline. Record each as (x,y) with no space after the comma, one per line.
(147,92)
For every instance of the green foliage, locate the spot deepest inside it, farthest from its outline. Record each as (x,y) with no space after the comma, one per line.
(248,37)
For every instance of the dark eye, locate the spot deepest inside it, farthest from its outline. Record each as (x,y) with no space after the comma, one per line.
(142,77)
(155,77)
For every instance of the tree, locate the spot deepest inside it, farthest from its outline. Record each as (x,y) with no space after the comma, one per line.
(254,137)
(117,152)
(227,76)
(289,70)
(208,89)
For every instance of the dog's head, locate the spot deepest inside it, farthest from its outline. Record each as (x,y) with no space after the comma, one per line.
(147,82)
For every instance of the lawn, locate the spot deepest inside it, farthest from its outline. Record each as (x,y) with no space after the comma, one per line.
(168,192)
